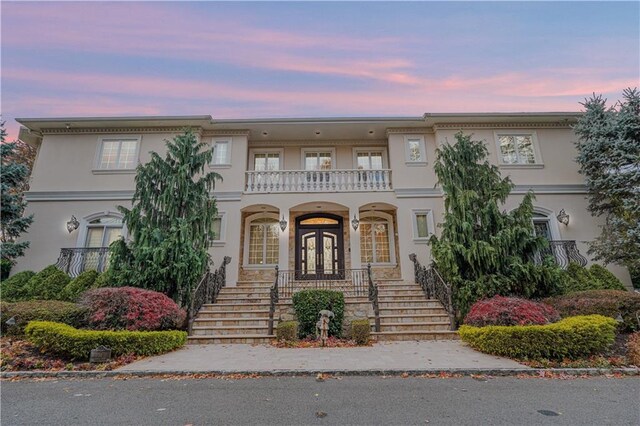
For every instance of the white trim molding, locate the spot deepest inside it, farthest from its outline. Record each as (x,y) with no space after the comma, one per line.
(119,138)
(222,238)
(537,155)
(422,146)
(414,225)
(84,225)
(227,161)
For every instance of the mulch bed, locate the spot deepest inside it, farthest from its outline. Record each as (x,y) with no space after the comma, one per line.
(20,355)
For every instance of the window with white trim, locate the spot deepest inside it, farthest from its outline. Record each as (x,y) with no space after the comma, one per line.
(266,161)
(517,148)
(317,159)
(422,224)
(370,160)
(118,153)
(376,240)
(264,244)
(103,231)
(415,150)
(221,152)
(218,229)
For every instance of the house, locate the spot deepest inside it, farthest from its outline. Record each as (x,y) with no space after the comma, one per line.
(313,195)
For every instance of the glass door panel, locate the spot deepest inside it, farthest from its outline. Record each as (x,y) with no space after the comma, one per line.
(309,258)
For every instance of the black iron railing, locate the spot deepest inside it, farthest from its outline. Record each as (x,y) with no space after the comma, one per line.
(207,290)
(434,287)
(74,261)
(563,252)
(351,282)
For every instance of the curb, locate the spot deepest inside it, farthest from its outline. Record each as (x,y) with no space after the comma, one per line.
(463,372)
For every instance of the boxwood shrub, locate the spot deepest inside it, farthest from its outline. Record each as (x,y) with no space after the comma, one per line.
(103,280)
(68,342)
(287,330)
(361,331)
(609,303)
(571,338)
(14,288)
(579,278)
(46,284)
(79,285)
(309,303)
(41,310)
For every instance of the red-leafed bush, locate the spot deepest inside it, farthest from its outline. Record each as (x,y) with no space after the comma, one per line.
(130,308)
(510,311)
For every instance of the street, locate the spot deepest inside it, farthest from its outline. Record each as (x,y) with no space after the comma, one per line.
(304,400)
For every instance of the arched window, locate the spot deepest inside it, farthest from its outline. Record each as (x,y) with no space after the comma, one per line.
(544,224)
(262,233)
(97,232)
(376,238)
(101,232)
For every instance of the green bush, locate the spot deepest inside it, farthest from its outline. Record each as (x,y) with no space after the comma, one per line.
(361,331)
(287,330)
(78,285)
(309,303)
(5,268)
(36,287)
(66,341)
(571,338)
(41,310)
(13,288)
(607,279)
(610,303)
(104,280)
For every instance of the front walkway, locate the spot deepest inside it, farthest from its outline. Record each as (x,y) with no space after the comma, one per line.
(392,356)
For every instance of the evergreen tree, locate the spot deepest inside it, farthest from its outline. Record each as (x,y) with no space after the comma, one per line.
(609,158)
(483,251)
(13,177)
(169,222)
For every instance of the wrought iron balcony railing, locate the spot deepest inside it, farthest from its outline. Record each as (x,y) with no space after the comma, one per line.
(318,181)
(75,261)
(563,252)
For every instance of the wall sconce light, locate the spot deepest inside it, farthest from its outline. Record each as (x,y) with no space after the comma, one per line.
(563,217)
(283,223)
(355,222)
(72,224)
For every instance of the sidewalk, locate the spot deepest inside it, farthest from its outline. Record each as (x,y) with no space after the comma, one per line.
(391,356)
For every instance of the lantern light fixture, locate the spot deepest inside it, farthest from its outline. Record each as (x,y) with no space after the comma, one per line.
(355,222)
(563,217)
(72,224)
(283,223)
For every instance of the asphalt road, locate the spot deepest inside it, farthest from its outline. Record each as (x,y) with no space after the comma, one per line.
(303,400)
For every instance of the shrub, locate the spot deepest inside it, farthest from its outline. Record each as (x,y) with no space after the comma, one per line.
(105,279)
(78,285)
(41,310)
(5,268)
(287,330)
(13,288)
(510,311)
(610,303)
(607,280)
(131,308)
(46,284)
(66,341)
(633,349)
(309,303)
(361,331)
(571,338)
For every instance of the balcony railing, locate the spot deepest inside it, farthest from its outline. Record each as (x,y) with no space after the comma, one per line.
(75,261)
(563,252)
(318,181)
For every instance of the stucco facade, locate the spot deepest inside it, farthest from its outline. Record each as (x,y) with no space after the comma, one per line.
(376,170)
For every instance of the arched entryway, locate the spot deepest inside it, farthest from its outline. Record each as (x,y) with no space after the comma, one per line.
(319,246)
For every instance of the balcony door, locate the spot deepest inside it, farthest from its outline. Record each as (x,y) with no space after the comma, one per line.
(319,247)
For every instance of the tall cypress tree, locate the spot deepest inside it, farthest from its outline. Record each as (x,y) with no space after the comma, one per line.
(14,176)
(482,250)
(170,221)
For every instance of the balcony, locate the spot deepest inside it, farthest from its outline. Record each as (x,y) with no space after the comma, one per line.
(348,180)
(74,261)
(563,252)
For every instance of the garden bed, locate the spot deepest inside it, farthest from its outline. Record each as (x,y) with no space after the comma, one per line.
(310,342)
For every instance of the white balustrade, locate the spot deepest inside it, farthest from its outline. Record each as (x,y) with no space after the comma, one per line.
(318,181)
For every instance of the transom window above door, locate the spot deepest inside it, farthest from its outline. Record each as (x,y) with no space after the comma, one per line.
(318,159)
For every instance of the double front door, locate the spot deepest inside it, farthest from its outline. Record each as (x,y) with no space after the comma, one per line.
(319,247)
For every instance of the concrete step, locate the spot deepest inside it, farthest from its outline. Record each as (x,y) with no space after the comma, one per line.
(398,287)
(409,319)
(231,339)
(210,307)
(414,326)
(409,303)
(414,335)
(254,284)
(245,292)
(232,321)
(240,299)
(411,310)
(228,330)
(402,297)
(221,313)
(416,292)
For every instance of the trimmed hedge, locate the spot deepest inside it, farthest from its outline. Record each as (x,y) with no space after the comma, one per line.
(501,310)
(633,349)
(607,279)
(579,278)
(14,288)
(41,310)
(46,284)
(66,341)
(309,303)
(609,303)
(571,338)
(361,331)
(287,330)
(79,285)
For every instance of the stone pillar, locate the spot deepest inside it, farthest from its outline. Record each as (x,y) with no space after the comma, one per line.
(354,239)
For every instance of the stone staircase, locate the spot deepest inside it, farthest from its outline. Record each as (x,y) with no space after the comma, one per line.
(241,314)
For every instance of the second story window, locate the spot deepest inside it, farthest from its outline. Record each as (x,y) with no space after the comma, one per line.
(369,160)
(517,148)
(318,160)
(118,154)
(266,161)
(221,152)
